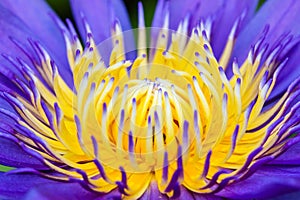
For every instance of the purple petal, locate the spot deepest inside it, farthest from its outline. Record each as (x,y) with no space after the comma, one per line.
(101,17)
(153,193)
(265,183)
(29,186)
(59,191)
(14,186)
(289,73)
(224,14)
(180,9)
(37,18)
(289,196)
(281,19)
(290,157)
(35,23)
(5,106)
(225,19)
(12,155)
(158,20)
(11,26)
(189,195)
(65,190)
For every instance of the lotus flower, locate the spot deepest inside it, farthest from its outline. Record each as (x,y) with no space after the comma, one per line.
(202,105)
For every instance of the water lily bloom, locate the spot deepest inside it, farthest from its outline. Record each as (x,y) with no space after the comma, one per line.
(202,105)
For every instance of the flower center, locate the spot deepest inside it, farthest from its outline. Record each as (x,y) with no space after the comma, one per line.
(145,116)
